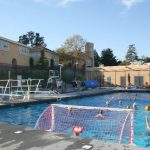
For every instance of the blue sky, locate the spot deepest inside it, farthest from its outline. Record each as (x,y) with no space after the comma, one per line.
(107,23)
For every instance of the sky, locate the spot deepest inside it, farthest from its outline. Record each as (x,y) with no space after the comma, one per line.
(111,24)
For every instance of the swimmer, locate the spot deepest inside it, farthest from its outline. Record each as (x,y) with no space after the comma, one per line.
(107,103)
(129,98)
(128,106)
(69,110)
(120,102)
(147,123)
(134,105)
(100,115)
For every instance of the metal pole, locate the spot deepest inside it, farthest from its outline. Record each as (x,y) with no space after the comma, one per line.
(125,77)
(115,77)
(149,75)
(76,69)
(60,71)
(9,73)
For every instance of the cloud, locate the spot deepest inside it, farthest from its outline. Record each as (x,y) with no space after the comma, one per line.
(130,3)
(66,2)
(57,2)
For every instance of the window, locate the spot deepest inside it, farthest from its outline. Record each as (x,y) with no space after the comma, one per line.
(4,46)
(139,80)
(14,62)
(109,80)
(52,63)
(123,81)
(24,51)
(35,54)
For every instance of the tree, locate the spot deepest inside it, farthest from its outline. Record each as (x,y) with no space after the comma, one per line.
(122,63)
(108,58)
(31,36)
(74,46)
(24,39)
(39,40)
(32,39)
(43,62)
(131,55)
(73,52)
(146,59)
(63,54)
(96,59)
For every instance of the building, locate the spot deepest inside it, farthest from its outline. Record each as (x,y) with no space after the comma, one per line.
(89,50)
(13,54)
(138,75)
(17,55)
(52,57)
(88,60)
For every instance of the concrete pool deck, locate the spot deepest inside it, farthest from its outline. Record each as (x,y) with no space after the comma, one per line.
(14,137)
(42,98)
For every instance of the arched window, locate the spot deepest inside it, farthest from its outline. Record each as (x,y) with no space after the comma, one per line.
(52,63)
(14,62)
(31,62)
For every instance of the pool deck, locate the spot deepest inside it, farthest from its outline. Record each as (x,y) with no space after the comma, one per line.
(14,137)
(42,98)
(31,139)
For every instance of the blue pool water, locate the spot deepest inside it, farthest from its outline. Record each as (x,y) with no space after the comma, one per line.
(28,115)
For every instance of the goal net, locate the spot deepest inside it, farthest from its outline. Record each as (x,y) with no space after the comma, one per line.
(108,124)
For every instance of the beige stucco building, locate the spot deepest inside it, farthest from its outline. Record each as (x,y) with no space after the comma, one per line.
(52,57)
(16,55)
(138,75)
(13,54)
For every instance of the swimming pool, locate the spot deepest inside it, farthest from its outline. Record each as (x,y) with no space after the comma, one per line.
(28,115)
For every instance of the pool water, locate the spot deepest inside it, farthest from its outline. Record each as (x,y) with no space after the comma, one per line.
(28,115)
